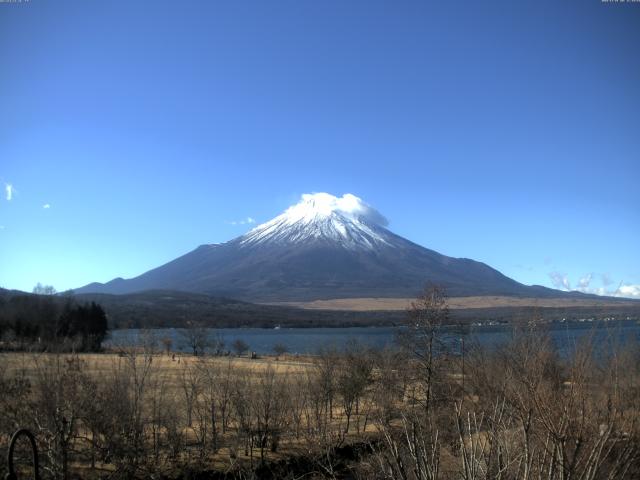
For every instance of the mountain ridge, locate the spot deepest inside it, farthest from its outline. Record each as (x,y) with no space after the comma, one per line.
(324,247)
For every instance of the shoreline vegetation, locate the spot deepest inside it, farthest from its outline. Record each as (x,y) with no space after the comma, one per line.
(418,411)
(169,309)
(157,309)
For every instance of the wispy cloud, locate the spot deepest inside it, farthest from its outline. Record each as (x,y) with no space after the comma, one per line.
(46,206)
(8,188)
(584,281)
(560,280)
(624,290)
(246,221)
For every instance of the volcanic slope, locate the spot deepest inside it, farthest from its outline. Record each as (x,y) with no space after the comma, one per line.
(324,247)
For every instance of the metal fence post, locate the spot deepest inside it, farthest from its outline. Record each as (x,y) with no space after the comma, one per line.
(12,444)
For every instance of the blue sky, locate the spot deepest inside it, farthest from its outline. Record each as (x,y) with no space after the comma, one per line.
(506,132)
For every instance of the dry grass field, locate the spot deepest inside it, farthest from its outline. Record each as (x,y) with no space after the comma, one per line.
(395,304)
(166,366)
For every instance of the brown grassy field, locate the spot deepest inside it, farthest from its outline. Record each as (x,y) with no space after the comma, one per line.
(396,304)
(167,366)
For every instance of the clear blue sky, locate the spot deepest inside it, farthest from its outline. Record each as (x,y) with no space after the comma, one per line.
(507,132)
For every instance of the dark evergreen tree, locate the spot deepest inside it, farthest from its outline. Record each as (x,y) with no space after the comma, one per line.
(45,320)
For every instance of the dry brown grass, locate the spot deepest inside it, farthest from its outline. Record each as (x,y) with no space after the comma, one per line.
(396,304)
(167,366)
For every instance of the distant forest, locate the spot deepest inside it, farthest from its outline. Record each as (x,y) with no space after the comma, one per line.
(30,321)
(167,309)
(84,318)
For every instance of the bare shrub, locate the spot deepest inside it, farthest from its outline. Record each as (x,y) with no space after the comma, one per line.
(353,377)
(57,407)
(240,347)
(122,421)
(268,404)
(196,337)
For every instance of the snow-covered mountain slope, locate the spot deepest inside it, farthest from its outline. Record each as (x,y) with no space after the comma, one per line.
(322,218)
(321,248)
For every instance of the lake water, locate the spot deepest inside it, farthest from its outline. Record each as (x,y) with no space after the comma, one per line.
(310,340)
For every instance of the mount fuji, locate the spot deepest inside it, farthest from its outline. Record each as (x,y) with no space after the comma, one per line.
(324,247)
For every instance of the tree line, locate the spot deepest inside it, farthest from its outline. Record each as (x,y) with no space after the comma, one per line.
(46,321)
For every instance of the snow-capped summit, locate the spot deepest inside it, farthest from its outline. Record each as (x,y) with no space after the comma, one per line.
(317,205)
(321,217)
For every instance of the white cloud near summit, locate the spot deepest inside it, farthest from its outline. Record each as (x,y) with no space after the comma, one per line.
(348,204)
(8,188)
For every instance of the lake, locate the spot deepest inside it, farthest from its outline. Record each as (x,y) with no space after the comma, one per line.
(308,340)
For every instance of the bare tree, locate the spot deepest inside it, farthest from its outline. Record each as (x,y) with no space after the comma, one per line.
(240,347)
(224,392)
(123,419)
(190,385)
(298,401)
(196,336)
(425,317)
(40,289)
(167,343)
(212,406)
(218,343)
(353,377)
(268,407)
(58,407)
(280,349)
(412,450)
(240,394)
(326,363)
